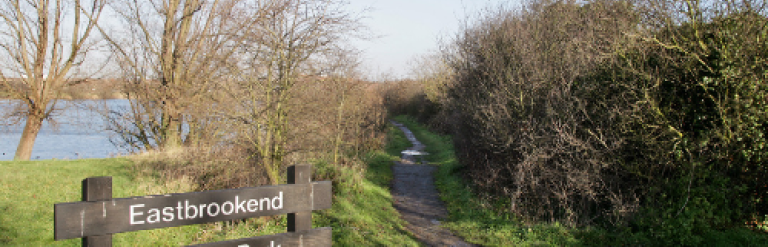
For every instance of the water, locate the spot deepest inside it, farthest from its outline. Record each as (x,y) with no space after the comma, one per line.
(79,132)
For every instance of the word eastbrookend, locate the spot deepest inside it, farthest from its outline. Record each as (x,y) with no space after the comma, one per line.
(186,211)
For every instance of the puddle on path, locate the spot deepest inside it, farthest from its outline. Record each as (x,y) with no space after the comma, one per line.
(416,198)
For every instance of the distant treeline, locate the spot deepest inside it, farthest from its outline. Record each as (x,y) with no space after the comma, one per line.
(644,115)
(79,89)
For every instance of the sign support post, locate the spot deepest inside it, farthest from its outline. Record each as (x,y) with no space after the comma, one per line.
(97,189)
(299,221)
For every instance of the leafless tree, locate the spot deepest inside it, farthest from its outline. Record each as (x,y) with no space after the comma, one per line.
(293,41)
(42,42)
(171,52)
(199,70)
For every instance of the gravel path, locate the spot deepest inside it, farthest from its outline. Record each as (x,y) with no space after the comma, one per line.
(417,200)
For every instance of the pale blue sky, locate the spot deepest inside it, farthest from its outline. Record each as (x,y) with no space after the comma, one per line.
(408,28)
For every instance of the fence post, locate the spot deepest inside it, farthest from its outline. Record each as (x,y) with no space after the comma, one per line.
(299,221)
(97,189)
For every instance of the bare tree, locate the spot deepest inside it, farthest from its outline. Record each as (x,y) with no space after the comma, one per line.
(292,42)
(171,52)
(434,73)
(41,42)
(191,64)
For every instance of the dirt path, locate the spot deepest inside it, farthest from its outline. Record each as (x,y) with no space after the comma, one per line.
(417,200)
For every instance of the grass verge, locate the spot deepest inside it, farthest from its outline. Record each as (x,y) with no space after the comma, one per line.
(362,212)
(29,189)
(483,221)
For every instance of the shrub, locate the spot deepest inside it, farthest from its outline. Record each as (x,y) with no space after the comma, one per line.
(521,128)
(643,114)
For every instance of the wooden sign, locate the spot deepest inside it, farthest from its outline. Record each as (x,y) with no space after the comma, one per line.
(315,237)
(100,215)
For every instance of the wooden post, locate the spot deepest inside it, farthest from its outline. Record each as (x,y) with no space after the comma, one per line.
(97,189)
(299,221)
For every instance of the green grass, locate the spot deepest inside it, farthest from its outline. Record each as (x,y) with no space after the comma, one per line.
(362,212)
(29,189)
(483,221)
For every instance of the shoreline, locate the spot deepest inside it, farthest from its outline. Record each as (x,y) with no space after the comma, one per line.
(88,97)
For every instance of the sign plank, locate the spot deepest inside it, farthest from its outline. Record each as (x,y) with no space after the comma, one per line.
(81,219)
(317,237)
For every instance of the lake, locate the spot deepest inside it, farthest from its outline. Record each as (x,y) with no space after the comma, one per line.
(79,132)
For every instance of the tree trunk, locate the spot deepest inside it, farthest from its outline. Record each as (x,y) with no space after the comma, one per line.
(27,142)
(171,135)
(339,129)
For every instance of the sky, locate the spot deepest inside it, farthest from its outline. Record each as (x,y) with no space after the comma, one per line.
(406,29)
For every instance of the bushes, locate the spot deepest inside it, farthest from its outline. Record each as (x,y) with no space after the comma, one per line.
(521,123)
(333,122)
(407,97)
(644,114)
(712,102)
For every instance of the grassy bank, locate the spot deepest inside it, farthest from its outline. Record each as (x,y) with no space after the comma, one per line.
(362,212)
(29,189)
(482,220)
